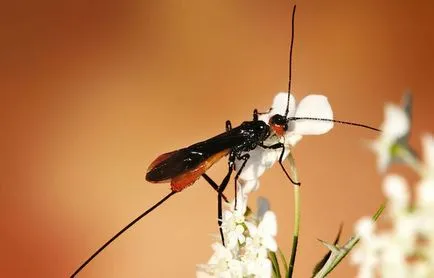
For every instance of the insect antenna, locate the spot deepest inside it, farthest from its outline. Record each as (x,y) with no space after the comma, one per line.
(291,46)
(122,231)
(334,121)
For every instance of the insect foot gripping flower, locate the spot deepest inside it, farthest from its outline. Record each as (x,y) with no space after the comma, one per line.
(312,106)
(250,239)
(392,145)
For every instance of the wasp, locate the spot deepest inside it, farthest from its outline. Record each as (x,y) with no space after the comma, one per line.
(183,167)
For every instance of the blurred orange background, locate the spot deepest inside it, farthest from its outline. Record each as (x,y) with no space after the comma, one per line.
(93,91)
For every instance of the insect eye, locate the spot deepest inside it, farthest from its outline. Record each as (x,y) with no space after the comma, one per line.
(279,124)
(278,120)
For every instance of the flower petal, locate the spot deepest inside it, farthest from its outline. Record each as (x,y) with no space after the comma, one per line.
(280,102)
(260,159)
(270,243)
(291,139)
(253,230)
(248,186)
(396,190)
(263,206)
(270,156)
(268,224)
(428,151)
(254,167)
(313,106)
(382,148)
(425,193)
(265,117)
(396,123)
(365,227)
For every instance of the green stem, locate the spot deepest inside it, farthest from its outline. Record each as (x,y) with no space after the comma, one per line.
(297,215)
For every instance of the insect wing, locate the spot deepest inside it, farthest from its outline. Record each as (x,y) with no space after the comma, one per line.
(170,165)
(173,164)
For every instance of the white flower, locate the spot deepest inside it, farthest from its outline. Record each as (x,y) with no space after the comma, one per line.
(259,268)
(366,254)
(233,227)
(312,106)
(222,263)
(425,188)
(425,193)
(260,241)
(365,228)
(393,260)
(405,246)
(396,126)
(267,230)
(245,187)
(262,207)
(246,251)
(428,152)
(388,251)
(396,190)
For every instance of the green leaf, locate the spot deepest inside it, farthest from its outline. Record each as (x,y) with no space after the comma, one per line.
(275,264)
(282,257)
(324,260)
(339,253)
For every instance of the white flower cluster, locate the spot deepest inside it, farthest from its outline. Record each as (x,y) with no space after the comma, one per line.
(248,241)
(406,247)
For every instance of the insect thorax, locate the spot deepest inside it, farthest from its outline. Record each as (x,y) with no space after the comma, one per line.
(254,132)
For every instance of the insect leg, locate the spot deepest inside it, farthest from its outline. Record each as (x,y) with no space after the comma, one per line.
(244,157)
(214,185)
(256,113)
(281,146)
(220,190)
(228,125)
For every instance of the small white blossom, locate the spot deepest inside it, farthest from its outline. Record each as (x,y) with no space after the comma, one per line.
(261,241)
(396,190)
(222,264)
(247,186)
(426,185)
(366,255)
(259,268)
(365,227)
(425,198)
(233,228)
(263,206)
(428,153)
(246,250)
(406,247)
(396,126)
(425,194)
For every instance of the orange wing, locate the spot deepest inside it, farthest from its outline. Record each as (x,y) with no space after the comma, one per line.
(184,180)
